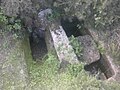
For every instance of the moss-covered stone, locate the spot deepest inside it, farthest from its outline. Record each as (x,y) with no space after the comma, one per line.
(13,67)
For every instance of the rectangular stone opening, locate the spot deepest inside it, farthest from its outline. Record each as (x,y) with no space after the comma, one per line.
(101,67)
(38,45)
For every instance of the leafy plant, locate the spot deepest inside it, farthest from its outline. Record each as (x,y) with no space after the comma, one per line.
(76,45)
(10,24)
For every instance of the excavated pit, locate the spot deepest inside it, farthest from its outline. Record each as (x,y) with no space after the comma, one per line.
(101,68)
(38,46)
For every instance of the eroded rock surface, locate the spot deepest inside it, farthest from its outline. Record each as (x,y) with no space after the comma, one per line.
(90,52)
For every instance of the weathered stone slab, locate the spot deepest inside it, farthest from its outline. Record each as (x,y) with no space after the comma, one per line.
(90,52)
(58,41)
(64,50)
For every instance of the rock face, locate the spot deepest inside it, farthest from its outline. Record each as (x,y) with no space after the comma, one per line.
(90,52)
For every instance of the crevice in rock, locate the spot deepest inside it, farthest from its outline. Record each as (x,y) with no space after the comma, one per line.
(38,45)
(73,27)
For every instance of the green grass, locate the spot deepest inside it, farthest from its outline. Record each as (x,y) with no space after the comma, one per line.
(46,76)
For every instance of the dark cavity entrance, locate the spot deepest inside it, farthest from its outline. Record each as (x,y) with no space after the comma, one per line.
(73,27)
(38,44)
(101,67)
